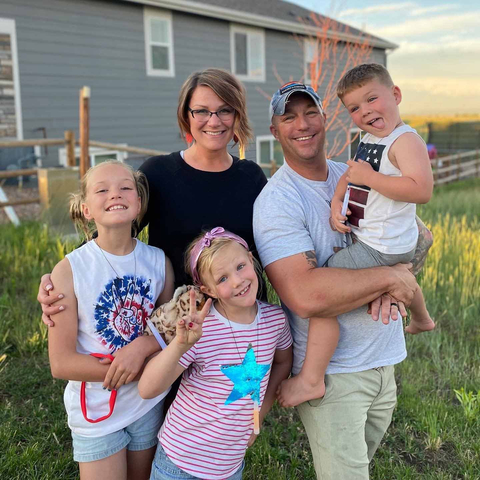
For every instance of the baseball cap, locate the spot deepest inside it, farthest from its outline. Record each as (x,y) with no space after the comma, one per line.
(281,96)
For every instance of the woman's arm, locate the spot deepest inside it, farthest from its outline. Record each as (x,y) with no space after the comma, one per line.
(48,299)
(65,361)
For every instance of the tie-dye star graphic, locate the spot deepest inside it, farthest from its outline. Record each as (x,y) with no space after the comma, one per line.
(122,309)
(246,377)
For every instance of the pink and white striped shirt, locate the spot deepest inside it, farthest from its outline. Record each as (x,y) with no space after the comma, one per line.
(201,435)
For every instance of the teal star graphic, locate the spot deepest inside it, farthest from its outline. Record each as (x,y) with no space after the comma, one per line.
(246,377)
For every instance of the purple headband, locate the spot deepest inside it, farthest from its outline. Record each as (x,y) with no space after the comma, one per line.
(204,242)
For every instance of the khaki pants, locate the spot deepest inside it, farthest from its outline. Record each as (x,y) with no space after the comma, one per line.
(345,427)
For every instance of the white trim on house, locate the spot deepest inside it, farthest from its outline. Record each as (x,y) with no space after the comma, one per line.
(93,153)
(255,44)
(150,14)
(353,132)
(258,20)
(8,26)
(264,138)
(307,41)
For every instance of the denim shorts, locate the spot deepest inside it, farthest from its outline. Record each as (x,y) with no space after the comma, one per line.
(139,435)
(164,469)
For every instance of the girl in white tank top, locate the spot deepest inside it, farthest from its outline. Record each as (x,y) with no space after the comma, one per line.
(111,285)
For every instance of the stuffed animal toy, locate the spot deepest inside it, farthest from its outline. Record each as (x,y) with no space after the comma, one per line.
(166,316)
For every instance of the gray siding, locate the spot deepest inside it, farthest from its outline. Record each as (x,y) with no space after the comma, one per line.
(64,45)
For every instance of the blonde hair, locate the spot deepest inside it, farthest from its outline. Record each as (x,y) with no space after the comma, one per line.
(207,257)
(88,227)
(226,87)
(360,75)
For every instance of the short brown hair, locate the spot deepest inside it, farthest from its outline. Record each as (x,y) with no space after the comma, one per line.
(225,86)
(362,74)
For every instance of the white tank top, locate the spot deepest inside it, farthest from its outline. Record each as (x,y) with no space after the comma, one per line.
(111,313)
(384,224)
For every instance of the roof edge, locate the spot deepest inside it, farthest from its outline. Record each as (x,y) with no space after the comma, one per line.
(257,20)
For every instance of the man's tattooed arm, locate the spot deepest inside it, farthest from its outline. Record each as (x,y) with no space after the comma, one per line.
(311,258)
(425,241)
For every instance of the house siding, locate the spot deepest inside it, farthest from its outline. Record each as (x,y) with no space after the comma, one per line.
(64,45)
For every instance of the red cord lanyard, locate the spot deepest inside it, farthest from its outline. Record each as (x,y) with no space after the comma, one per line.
(83,398)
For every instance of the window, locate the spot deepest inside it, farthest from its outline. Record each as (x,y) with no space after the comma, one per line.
(355,137)
(248,53)
(97,155)
(269,149)
(310,50)
(158,43)
(11,126)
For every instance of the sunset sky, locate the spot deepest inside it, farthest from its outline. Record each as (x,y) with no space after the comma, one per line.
(437,64)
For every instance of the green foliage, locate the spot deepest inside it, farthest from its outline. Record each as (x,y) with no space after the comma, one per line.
(470,402)
(435,433)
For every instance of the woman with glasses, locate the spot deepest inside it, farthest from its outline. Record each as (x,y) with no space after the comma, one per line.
(204,185)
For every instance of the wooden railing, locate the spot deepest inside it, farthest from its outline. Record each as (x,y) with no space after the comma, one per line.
(69,142)
(456,167)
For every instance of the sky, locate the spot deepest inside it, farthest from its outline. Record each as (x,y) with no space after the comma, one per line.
(437,64)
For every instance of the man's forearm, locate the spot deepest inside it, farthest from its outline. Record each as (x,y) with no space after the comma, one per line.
(310,291)
(339,290)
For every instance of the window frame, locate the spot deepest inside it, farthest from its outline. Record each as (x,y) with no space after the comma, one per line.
(263,138)
(248,31)
(8,26)
(306,71)
(148,15)
(93,152)
(354,131)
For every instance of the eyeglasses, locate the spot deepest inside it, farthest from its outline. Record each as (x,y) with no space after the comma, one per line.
(203,114)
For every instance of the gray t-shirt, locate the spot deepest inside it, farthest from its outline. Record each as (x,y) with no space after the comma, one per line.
(291,216)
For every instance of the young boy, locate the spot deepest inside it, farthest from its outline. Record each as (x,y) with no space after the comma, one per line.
(390,174)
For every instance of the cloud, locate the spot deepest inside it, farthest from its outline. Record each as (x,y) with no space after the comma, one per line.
(423,26)
(439,8)
(448,87)
(377,9)
(445,44)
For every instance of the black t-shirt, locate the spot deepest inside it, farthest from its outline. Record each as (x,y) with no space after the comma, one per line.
(185,201)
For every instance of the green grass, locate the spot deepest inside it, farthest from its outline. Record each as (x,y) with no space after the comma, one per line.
(435,433)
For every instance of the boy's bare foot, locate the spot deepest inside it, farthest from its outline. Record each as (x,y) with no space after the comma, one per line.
(296,390)
(420,324)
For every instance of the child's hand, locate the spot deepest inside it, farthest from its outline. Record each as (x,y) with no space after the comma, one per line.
(360,172)
(337,220)
(128,362)
(189,328)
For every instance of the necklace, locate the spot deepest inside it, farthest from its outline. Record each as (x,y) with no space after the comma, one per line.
(246,377)
(224,314)
(111,266)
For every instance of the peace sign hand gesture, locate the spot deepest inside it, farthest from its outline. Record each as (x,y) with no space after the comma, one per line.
(189,328)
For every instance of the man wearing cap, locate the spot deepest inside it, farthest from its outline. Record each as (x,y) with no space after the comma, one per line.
(294,239)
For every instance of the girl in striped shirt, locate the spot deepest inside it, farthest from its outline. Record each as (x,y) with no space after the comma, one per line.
(233,355)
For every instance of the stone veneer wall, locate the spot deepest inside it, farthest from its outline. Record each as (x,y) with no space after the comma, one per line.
(8,120)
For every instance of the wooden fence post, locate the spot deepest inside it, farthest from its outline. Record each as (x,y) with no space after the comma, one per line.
(70,147)
(459,166)
(84,130)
